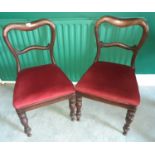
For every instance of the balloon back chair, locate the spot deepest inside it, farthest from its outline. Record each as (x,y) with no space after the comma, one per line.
(110,82)
(40,85)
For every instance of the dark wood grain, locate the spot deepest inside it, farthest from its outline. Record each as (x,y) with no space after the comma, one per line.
(78,105)
(72,105)
(121,22)
(29,27)
(24,122)
(129,118)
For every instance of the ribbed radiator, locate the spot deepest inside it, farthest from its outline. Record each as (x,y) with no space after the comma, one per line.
(74,49)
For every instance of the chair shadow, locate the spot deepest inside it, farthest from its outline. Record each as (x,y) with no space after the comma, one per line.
(7,121)
(59,110)
(146,135)
(101,121)
(144,130)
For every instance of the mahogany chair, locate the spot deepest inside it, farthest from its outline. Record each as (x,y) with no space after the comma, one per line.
(41,85)
(110,82)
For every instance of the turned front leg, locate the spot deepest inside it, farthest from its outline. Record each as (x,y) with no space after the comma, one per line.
(72,105)
(129,118)
(24,122)
(78,106)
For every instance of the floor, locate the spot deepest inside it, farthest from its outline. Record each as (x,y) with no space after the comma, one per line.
(99,122)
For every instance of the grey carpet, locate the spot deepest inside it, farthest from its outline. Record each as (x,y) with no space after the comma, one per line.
(99,122)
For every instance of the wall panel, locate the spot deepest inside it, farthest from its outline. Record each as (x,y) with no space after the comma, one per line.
(74,49)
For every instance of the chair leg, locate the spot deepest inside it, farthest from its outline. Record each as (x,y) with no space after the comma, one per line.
(78,106)
(72,106)
(24,122)
(129,118)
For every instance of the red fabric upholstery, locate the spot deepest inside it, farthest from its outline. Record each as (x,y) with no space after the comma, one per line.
(39,84)
(109,81)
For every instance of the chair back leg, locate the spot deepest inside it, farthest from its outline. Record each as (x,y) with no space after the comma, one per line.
(72,106)
(129,118)
(24,122)
(78,106)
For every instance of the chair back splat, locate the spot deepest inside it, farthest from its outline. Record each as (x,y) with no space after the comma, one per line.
(122,23)
(30,27)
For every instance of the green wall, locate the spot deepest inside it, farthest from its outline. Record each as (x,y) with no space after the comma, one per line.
(75,47)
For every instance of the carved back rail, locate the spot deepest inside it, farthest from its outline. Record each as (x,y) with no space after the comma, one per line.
(121,23)
(29,27)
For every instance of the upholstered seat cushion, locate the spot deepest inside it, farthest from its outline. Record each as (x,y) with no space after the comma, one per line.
(110,81)
(39,84)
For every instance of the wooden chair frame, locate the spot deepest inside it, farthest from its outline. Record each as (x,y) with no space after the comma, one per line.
(29,27)
(118,23)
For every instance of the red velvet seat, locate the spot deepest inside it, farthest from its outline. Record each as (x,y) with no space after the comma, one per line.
(40,84)
(110,81)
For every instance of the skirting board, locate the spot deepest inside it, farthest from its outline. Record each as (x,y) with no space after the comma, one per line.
(143,80)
